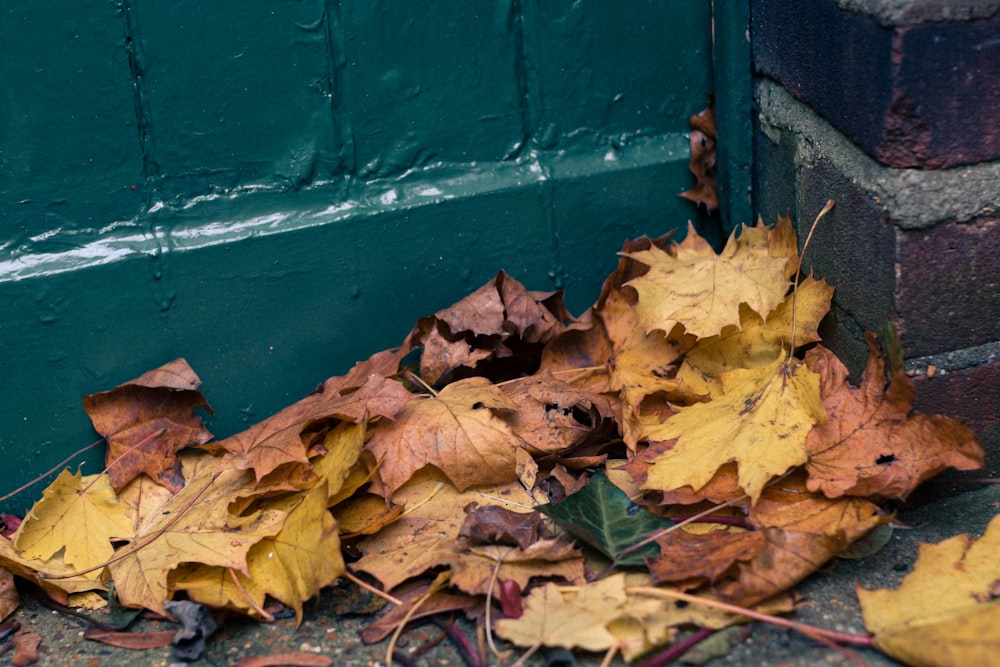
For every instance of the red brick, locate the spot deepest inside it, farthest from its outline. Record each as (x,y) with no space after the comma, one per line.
(925,95)
(948,291)
(971,396)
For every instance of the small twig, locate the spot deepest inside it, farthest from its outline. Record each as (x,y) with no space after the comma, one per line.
(520,662)
(419,380)
(798,271)
(810,631)
(489,605)
(434,492)
(660,533)
(371,589)
(435,586)
(465,647)
(269,618)
(125,553)
(48,472)
(148,438)
(609,656)
(678,649)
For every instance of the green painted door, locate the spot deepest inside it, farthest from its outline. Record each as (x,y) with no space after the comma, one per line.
(274,190)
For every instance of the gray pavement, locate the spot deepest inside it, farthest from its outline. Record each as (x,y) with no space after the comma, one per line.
(831,603)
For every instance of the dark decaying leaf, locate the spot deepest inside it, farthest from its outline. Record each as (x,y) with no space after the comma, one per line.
(492,524)
(602,515)
(197,625)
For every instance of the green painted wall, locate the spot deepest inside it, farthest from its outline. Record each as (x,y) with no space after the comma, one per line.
(276,191)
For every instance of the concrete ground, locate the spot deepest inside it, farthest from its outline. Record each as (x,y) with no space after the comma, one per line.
(831,603)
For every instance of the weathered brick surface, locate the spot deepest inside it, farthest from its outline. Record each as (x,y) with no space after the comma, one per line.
(923,95)
(971,396)
(948,291)
(853,247)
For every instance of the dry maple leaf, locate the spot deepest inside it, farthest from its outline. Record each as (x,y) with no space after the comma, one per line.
(756,342)
(457,431)
(278,440)
(427,536)
(147,421)
(291,567)
(80,515)
(947,610)
(690,285)
(872,442)
(760,422)
(9,600)
(610,613)
(577,618)
(493,323)
(552,415)
(193,526)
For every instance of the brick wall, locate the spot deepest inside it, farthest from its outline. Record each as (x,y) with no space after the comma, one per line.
(892,109)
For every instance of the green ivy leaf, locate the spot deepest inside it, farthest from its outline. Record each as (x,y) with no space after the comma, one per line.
(602,515)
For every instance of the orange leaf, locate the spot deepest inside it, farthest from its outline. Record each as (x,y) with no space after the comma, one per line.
(147,421)
(457,431)
(872,443)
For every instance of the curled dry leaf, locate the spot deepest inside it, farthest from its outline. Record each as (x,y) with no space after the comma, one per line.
(702,161)
(872,442)
(147,421)
(427,536)
(9,600)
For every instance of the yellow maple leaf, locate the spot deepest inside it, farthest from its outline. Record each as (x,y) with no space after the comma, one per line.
(613,613)
(757,341)
(456,431)
(692,286)
(194,525)
(761,422)
(79,514)
(576,618)
(946,612)
(292,566)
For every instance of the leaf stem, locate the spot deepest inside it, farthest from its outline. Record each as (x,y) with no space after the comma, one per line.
(256,607)
(148,438)
(371,589)
(439,582)
(419,380)
(798,271)
(488,622)
(660,533)
(678,649)
(810,631)
(48,472)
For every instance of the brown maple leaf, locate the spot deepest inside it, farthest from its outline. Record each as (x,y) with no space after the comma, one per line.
(872,442)
(427,536)
(501,322)
(552,416)
(147,421)
(709,556)
(279,439)
(458,431)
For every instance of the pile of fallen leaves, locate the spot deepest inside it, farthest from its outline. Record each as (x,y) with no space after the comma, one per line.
(560,480)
